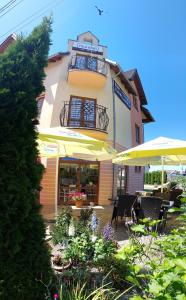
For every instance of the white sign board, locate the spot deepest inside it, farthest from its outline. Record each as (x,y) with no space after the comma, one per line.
(85,47)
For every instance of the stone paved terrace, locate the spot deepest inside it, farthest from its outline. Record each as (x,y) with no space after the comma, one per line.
(104,215)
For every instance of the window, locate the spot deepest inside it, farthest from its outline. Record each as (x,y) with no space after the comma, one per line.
(137,132)
(135,102)
(78,176)
(88,40)
(82,112)
(40,101)
(122,180)
(86,62)
(137,169)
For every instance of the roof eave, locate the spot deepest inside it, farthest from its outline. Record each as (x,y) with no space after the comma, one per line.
(117,69)
(148,115)
(57,56)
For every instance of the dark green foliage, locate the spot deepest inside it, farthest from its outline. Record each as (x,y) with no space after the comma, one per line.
(149,178)
(61,227)
(154,177)
(157,265)
(85,215)
(165,177)
(173,184)
(23,254)
(146,177)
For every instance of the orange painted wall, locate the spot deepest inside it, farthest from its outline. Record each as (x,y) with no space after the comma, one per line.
(136,119)
(105,182)
(47,195)
(135,180)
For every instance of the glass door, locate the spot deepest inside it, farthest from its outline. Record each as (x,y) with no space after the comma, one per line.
(82,112)
(78,177)
(75,112)
(89,113)
(89,178)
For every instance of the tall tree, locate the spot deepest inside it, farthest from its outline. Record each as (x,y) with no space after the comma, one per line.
(24,257)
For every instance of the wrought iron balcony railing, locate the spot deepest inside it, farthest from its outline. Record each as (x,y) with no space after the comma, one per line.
(84,114)
(90,63)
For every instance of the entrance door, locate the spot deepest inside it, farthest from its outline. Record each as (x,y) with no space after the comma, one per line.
(82,112)
(78,176)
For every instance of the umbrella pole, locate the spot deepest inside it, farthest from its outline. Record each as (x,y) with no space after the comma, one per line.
(162,173)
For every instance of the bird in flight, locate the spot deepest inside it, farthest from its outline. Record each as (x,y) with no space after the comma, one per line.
(100,11)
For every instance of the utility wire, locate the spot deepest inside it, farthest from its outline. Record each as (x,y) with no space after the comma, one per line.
(10,8)
(32,17)
(7,5)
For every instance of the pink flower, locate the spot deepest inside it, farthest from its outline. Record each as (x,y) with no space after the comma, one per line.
(56,296)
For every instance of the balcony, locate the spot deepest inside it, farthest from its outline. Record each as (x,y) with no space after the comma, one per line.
(87,71)
(86,117)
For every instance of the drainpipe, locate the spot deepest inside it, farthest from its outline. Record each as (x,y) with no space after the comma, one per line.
(114,131)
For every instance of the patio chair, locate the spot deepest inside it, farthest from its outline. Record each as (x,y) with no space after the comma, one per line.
(175,195)
(123,208)
(151,208)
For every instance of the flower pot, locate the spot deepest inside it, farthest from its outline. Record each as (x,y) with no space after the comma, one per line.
(79,203)
(62,267)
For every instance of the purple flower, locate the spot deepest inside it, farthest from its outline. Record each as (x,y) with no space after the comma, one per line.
(108,232)
(94,222)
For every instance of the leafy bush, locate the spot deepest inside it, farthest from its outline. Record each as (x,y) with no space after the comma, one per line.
(181,181)
(103,250)
(80,249)
(157,265)
(85,216)
(154,177)
(60,229)
(173,184)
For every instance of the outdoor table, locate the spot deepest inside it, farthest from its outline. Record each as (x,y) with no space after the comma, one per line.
(86,207)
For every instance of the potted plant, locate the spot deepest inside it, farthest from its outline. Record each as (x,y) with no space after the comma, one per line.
(59,264)
(78,198)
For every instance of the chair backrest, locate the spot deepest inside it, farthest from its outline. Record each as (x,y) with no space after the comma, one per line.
(174,194)
(125,204)
(150,207)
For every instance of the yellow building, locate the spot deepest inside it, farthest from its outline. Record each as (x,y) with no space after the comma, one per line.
(91,94)
(87,92)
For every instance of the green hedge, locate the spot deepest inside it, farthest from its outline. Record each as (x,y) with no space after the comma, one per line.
(154,177)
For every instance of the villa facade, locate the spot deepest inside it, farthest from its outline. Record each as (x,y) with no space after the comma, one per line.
(88,93)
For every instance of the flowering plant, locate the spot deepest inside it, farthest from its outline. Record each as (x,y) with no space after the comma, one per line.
(78,196)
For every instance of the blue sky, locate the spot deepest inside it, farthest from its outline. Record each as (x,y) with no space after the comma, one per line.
(144,34)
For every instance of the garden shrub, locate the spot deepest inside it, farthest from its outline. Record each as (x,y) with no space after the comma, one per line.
(157,264)
(24,257)
(60,229)
(154,177)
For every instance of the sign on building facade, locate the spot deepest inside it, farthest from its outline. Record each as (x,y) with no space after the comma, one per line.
(121,94)
(85,47)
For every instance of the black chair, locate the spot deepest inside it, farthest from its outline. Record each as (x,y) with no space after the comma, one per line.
(175,196)
(151,208)
(123,207)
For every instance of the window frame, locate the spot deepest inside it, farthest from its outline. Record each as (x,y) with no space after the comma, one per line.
(137,134)
(135,102)
(86,62)
(82,121)
(137,169)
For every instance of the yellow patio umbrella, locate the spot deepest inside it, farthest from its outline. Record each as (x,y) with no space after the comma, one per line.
(160,151)
(63,142)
